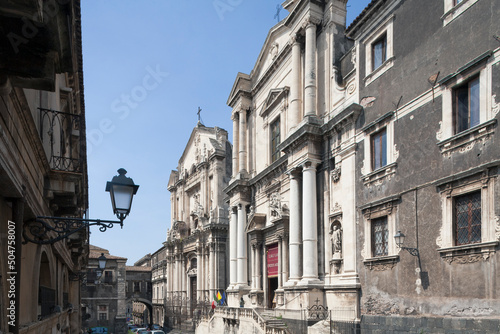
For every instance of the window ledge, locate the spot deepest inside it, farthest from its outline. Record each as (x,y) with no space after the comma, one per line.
(378,176)
(456,11)
(381,263)
(379,70)
(469,253)
(465,140)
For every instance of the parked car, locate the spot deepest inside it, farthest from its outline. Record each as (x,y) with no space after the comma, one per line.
(144,331)
(156,331)
(156,326)
(136,330)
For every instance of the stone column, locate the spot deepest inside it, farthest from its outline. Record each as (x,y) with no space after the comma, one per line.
(233,249)
(309,224)
(212,268)
(284,260)
(243,141)
(254,265)
(198,270)
(206,279)
(242,246)
(295,229)
(258,257)
(280,262)
(236,136)
(310,69)
(296,89)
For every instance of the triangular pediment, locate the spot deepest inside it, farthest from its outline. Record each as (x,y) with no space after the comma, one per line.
(256,222)
(274,97)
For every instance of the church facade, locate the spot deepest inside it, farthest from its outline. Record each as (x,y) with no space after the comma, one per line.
(349,139)
(192,264)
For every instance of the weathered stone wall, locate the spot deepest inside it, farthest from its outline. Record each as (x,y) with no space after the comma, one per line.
(436,325)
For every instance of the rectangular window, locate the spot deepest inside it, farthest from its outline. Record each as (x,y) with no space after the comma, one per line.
(108,277)
(137,286)
(466,105)
(380,237)
(467,218)
(275,140)
(102,312)
(456,2)
(379,149)
(379,52)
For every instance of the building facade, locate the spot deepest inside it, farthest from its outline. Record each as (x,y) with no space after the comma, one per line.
(43,170)
(139,291)
(192,264)
(346,138)
(427,162)
(159,280)
(104,292)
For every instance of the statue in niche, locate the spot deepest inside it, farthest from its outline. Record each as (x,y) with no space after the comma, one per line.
(336,241)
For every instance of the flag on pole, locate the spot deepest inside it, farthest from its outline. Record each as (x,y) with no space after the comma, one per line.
(213,305)
(219,297)
(223,299)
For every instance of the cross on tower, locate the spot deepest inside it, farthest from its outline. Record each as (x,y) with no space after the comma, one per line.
(199,111)
(278,10)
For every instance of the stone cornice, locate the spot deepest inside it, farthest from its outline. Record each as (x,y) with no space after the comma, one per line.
(346,116)
(309,130)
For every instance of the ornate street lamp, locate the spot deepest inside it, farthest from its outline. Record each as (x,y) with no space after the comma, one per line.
(400,239)
(122,190)
(101,260)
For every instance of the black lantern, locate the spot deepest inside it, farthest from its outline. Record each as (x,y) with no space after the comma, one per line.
(41,231)
(400,238)
(122,190)
(102,261)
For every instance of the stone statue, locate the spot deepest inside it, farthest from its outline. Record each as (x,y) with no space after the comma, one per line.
(336,241)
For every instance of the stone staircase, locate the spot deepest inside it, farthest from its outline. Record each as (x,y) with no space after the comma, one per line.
(273,322)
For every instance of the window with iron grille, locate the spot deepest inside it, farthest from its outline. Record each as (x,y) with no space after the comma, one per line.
(275,140)
(380,236)
(466,105)
(467,218)
(102,312)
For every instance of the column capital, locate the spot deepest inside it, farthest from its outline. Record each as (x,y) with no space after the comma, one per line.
(309,164)
(294,172)
(310,21)
(295,39)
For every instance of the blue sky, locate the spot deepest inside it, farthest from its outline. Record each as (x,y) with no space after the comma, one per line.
(148,66)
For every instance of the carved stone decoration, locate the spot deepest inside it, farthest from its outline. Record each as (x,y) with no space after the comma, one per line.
(198,208)
(468,258)
(336,265)
(495,107)
(275,205)
(274,50)
(497,227)
(336,173)
(396,152)
(439,134)
(353,56)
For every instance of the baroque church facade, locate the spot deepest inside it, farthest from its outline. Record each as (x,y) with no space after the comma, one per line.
(192,264)
(349,139)
(364,178)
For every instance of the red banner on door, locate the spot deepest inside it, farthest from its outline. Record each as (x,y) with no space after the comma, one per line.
(272,261)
